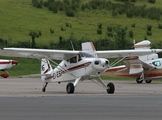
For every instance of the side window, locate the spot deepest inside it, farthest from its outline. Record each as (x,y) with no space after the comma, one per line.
(73,59)
(156,63)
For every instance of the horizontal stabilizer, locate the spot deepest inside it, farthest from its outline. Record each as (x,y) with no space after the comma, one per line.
(135,68)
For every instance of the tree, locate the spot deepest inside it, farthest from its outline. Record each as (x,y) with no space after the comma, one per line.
(120,37)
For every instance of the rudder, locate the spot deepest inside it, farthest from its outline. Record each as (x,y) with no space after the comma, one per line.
(89,46)
(45,67)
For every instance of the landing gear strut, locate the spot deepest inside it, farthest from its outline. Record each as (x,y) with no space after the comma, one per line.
(44,87)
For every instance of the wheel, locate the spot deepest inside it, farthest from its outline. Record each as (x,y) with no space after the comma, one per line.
(148,81)
(111,88)
(138,80)
(70,88)
(43,89)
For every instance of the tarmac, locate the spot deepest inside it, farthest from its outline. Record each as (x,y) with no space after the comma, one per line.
(22,98)
(32,87)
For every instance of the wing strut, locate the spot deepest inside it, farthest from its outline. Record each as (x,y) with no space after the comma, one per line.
(56,64)
(117,61)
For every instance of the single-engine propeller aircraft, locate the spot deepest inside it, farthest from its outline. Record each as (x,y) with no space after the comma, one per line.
(76,66)
(5,65)
(145,67)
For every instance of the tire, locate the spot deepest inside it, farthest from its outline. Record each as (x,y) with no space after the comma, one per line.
(148,81)
(70,88)
(138,80)
(111,88)
(43,89)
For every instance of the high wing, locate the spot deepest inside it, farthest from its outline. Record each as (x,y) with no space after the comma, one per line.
(125,53)
(65,54)
(38,53)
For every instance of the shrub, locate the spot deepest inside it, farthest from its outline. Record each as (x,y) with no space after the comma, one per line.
(114,13)
(99,25)
(160,26)
(39,33)
(99,31)
(133,0)
(129,14)
(149,27)
(63,29)
(109,28)
(131,34)
(51,30)
(149,33)
(109,34)
(133,25)
(37,3)
(70,13)
(152,1)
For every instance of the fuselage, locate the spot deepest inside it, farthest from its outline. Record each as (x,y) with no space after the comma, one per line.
(154,73)
(85,68)
(7,64)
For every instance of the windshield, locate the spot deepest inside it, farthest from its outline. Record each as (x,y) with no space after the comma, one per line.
(87,55)
(156,63)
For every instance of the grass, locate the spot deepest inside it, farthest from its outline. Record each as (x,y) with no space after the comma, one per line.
(19,17)
(26,66)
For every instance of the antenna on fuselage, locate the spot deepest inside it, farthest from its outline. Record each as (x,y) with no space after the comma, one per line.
(72,45)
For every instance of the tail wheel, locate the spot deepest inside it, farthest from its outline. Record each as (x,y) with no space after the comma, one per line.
(110,88)
(148,81)
(70,88)
(138,80)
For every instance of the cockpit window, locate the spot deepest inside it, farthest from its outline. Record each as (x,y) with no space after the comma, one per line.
(73,59)
(156,63)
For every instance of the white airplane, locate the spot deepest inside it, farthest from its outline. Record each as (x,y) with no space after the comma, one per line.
(143,68)
(5,65)
(76,66)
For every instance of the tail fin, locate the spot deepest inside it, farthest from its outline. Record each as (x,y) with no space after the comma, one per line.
(45,67)
(89,46)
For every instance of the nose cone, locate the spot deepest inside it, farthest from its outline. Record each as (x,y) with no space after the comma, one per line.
(101,64)
(14,62)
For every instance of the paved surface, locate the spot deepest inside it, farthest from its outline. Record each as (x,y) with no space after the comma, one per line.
(32,87)
(22,99)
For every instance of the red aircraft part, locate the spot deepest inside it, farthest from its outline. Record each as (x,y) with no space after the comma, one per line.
(5,75)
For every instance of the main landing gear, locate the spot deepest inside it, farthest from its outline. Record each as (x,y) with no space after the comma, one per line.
(138,80)
(70,88)
(44,87)
(110,88)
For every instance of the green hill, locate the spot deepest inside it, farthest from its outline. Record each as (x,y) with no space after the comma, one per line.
(19,17)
